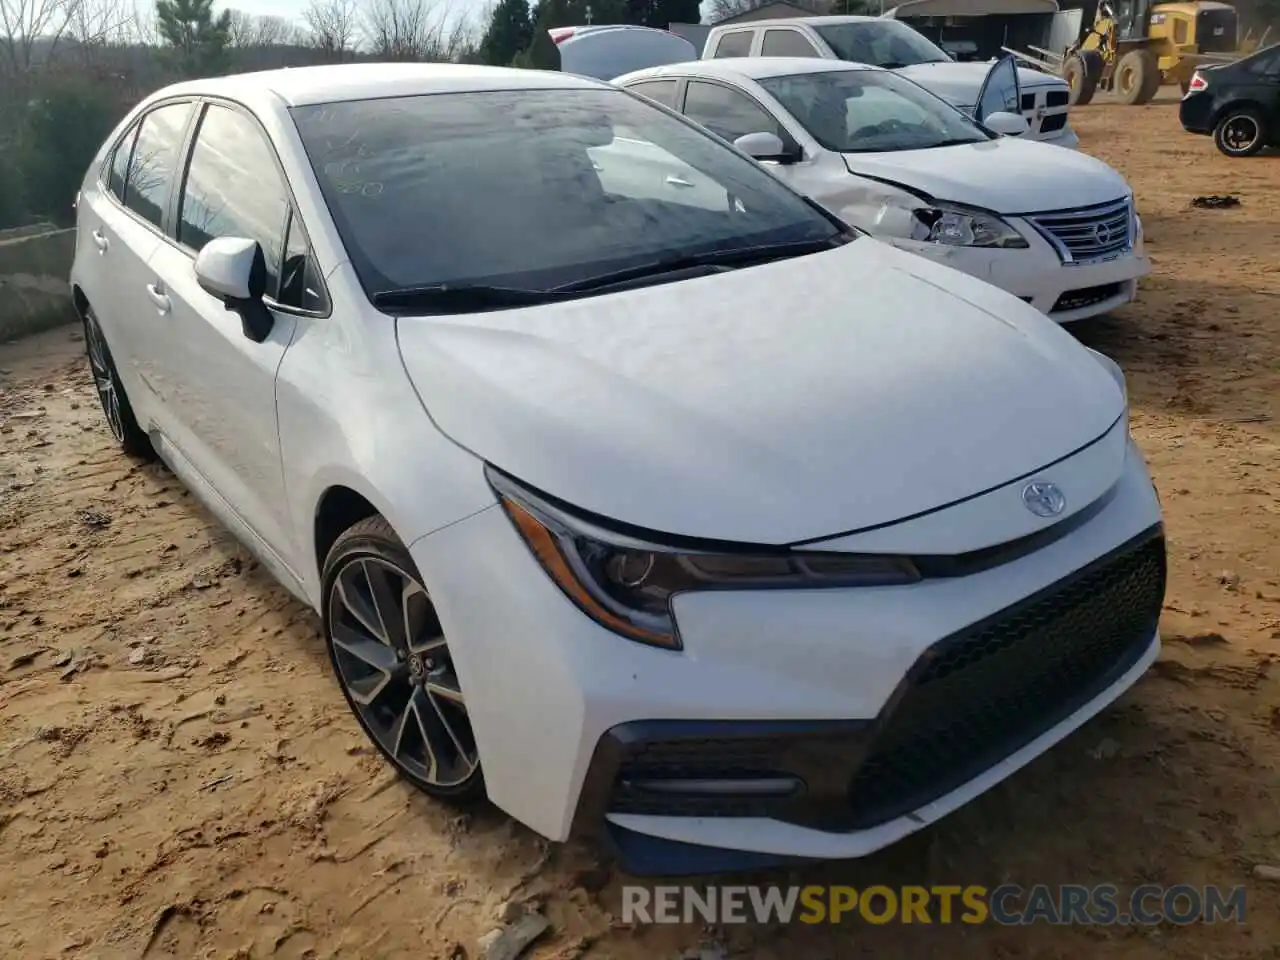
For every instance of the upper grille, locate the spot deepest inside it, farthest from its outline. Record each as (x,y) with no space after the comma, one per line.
(1087,234)
(980,695)
(1057,98)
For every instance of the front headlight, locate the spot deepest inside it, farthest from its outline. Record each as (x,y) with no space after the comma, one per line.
(1116,371)
(626,582)
(963,227)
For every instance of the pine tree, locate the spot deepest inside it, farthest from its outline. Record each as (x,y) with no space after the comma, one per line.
(197,38)
(510,30)
(661,13)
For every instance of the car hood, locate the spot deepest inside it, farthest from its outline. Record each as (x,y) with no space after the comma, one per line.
(960,83)
(1006,175)
(794,400)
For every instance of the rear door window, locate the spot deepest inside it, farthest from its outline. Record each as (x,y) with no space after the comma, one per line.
(659,91)
(155,161)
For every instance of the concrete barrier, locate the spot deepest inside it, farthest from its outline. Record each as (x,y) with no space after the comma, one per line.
(34,291)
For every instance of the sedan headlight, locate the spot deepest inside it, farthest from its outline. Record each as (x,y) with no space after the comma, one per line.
(963,227)
(1116,371)
(626,581)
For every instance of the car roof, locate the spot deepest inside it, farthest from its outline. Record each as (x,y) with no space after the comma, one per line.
(300,86)
(752,68)
(847,18)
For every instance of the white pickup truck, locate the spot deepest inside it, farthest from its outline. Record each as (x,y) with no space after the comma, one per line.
(606,52)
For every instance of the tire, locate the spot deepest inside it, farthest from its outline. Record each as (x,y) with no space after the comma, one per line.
(400,683)
(1135,73)
(1237,121)
(122,423)
(1081,83)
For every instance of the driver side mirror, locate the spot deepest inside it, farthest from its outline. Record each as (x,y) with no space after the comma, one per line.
(1007,124)
(234,271)
(767,148)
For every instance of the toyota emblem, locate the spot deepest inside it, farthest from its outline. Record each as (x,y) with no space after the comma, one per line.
(1044,499)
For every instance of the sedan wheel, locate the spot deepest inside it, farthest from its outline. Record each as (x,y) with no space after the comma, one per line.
(393,662)
(1240,133)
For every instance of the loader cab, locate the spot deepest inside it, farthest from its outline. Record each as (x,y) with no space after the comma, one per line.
(1199,26)
(1130,17)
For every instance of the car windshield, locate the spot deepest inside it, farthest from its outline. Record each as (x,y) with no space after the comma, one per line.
(880,43)
(871,111)
(534,189)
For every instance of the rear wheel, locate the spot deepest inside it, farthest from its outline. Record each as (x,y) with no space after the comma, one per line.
(394,665)
(1137,77)
(1240,132)
(1080,81)
(121,422)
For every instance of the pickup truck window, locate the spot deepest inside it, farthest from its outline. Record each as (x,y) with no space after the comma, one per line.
(787,43)
(736,43)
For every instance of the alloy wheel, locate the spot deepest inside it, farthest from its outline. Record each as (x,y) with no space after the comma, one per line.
(104,380)
(392,658)
(1240,133)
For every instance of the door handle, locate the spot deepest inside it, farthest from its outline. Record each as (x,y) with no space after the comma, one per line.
(159,298)
(674,181)
(100,241)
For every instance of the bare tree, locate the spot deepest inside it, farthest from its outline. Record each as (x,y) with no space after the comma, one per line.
(414,30)
(31,30)
(249,30)
(97,24)
(331,27)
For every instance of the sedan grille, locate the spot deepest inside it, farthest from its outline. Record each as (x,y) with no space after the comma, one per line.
(979,695)
(1088,234)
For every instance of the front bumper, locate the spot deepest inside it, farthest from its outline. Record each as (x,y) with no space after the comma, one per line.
(1066,292)
(1066,137)
(882,708)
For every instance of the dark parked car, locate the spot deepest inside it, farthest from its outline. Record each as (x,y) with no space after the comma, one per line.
(1238,103)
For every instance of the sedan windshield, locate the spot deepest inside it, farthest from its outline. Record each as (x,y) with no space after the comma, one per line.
(525,191)
(871,111)
(880,43)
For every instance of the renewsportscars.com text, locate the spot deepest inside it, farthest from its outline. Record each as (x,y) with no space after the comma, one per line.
(1008,905)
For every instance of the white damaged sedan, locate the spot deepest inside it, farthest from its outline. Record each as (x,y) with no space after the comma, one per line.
(719,528)
(1056,227)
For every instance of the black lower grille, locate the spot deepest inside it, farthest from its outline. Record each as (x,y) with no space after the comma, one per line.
(1053,122)
(1085,297)
(975,697)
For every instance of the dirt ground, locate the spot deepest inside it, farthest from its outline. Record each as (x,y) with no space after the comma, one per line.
(179,775)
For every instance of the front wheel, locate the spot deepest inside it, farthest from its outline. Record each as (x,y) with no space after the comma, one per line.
(394,665)
(1081,82)
(1240,133)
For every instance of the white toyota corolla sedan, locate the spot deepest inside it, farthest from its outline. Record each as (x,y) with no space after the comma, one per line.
(1057,228)
(728,532)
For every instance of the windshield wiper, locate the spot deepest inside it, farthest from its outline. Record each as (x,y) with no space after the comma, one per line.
(459,298)
(723,259)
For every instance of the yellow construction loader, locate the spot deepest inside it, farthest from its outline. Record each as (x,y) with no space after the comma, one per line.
(1134,46)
